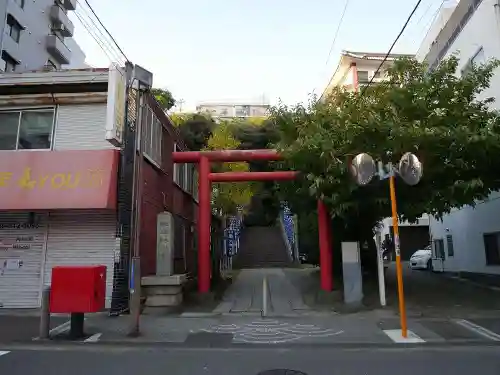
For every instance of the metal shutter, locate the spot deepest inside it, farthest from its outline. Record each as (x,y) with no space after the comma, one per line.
(81,127)
(21,240)
(81,238)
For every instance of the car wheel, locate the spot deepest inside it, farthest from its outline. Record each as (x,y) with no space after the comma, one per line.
(429,265)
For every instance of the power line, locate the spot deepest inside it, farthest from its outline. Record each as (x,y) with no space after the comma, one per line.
(107,31)
(337,32)
(109,46)
(105,48)
(393,44)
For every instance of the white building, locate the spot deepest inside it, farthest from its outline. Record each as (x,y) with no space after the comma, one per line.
(468,239)
(58,180)
(36,34)
(356,69)
(234,110)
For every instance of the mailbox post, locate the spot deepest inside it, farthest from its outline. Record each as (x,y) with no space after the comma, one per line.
(78,290)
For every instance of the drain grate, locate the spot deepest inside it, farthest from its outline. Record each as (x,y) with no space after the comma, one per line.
(281,371)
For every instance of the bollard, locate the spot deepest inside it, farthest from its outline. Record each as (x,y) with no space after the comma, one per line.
(44,330)
(264,296)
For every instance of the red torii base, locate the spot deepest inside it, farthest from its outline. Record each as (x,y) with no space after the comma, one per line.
(206,177)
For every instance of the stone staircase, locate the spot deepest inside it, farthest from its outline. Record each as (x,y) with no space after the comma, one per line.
(262,247)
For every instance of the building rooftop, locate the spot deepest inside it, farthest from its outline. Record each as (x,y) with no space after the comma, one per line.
(61,76)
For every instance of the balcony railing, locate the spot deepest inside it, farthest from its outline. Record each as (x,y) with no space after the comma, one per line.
(56,47)
(61,22)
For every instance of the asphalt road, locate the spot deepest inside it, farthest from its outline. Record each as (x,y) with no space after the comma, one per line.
(97,360)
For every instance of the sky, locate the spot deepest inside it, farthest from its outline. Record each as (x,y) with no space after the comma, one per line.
(246,50)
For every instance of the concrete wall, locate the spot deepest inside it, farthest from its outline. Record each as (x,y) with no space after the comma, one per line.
(437,25)
(468,225)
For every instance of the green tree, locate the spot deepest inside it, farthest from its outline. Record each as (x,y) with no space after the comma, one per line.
(226,196)
(164,98)
(253,134)
(440,116)
(196,130)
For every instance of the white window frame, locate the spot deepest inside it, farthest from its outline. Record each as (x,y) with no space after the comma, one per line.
(33,109)
(189,173)
(151,136)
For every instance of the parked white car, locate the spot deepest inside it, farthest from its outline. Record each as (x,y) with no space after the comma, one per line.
(422,259)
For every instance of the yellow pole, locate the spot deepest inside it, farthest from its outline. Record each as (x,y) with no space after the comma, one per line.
(399,268)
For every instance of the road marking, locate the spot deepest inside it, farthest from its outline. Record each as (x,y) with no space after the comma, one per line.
(396,336)
(3,353)
(272,332)
(478,329)
(93,338)
(60,329)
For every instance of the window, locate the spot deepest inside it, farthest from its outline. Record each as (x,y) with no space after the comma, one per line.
(179,174)
(151,135)
(186,176)
(8,63)
(362,76)
(13,28)
(439,248)
(189,178)
(477,59)
(376,74)
(26,130)
(242,110)
(492,248)
(449,244)
(195,183)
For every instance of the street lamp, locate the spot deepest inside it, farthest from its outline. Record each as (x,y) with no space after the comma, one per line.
(410,169)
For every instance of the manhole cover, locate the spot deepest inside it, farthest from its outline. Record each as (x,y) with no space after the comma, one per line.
(282,371)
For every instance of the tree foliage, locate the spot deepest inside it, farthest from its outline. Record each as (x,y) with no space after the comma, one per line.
(196,129)
(164,98)
(259,133)
(436,115)
(228,196)
(440,116)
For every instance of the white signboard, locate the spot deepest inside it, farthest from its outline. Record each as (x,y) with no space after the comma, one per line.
(115,115)
(164,244)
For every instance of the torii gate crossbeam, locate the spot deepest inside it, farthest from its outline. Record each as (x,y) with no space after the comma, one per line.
(206,177)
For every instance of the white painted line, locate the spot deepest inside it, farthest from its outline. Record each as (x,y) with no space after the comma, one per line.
(397,336)
(60,329)
(3,353)
(93,338)
(478,329)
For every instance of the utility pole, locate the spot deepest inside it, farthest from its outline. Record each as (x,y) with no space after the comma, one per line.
(143,79)
(410,169)
(181,102)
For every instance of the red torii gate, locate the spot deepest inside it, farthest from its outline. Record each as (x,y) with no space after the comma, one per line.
(206,177)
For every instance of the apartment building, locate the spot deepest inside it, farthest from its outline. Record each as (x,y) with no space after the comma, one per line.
(34,34)
(356,69)
(468,239)
(234,110)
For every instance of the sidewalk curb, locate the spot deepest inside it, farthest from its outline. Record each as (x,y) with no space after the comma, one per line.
(475,283)
(130,344)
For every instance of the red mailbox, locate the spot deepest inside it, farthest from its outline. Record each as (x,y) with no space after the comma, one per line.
(78,289)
